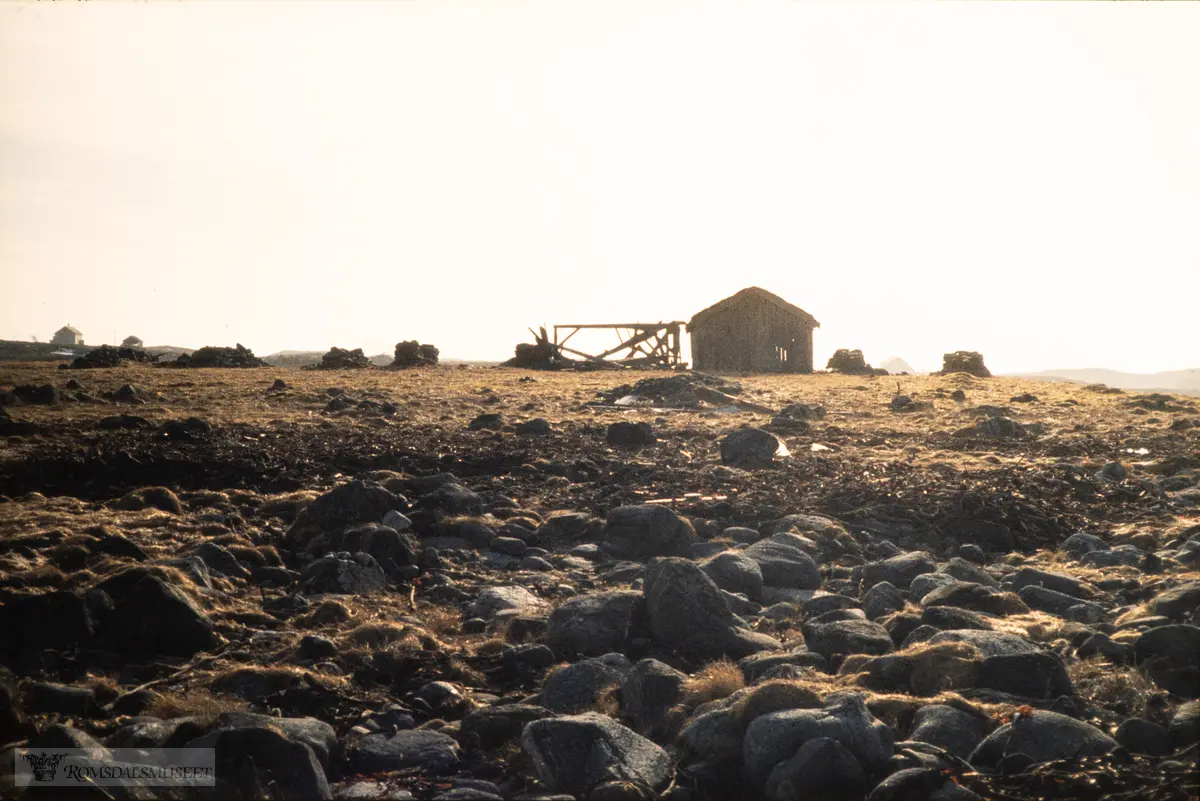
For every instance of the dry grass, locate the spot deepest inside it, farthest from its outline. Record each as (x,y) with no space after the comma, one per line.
(192,704)
(714,681)
(781,694)
(444,621)
(923,669)
(1124,690)
(327,613)
(376,635)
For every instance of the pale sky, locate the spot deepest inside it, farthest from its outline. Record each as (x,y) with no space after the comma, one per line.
(1021,179)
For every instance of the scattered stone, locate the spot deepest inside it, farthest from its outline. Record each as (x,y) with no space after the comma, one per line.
(630,435)
(957,731)
(577,754)
(346,573)
(433,752)
(643,532)
(783,563)
(492,421)
(687,612)
(751,447)
(1171,656)
(578,687)
(773,738)
(593,624)
(1037,737)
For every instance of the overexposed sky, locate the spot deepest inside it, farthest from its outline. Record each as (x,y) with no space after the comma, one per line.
(1017,178)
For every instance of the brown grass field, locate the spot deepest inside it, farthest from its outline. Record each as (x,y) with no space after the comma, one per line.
(911,477)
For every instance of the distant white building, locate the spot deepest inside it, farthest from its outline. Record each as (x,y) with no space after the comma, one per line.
(133,342)
(67,336)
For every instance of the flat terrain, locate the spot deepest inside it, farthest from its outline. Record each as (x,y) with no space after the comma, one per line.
(177,536)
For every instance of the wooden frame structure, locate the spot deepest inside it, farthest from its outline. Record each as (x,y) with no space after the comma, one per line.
(642,344)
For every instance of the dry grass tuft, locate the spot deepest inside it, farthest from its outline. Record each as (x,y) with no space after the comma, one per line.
(781,694)
(327,613)
(1123,690)
(444,621)
(192,704)
(714,681)
(375,635)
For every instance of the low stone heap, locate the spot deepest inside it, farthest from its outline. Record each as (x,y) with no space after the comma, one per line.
(965,361)
(341,359)
(211,356)
(109,356)
(411,353)
(851,362)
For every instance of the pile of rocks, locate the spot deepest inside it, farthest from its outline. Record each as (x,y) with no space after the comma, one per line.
(108,356)
(411,353)
(212,356)
(340,359)
(965,361)
(851,362)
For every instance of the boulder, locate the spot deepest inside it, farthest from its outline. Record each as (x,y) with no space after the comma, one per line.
(649,690)
(1140,736)
(506,600)
(898,570)
(353,503)
(751,447)
(784,564)
(576,754)
(882,599)
(1177,603)
(687,613)
(252,757)
(990,643)
(953,729)
(494,726)
(578,687)
(643,532)
(625,434)
(593,624)
(433,752)
(736,572)
(450,500)
(1040,674)
(976,598)
(775,737)
(343,573)
(148,616)
(821,770)
(1040,736)
(1058,582)
(846,637)
(1171,656)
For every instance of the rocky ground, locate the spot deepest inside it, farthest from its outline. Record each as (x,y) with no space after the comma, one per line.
(449,583)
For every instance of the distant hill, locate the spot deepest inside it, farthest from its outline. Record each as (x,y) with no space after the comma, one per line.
(1185,381)
(897,365)
(295,359)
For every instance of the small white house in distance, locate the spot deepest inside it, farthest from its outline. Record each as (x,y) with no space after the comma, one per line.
(67,336)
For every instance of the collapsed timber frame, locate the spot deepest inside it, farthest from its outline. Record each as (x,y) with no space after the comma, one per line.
(641,345)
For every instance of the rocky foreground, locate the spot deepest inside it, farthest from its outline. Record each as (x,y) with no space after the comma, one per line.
(418,586)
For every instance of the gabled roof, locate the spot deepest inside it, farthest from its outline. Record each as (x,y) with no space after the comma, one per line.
(757,294)
(69,330)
